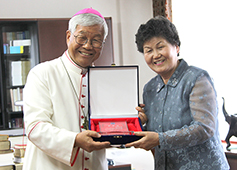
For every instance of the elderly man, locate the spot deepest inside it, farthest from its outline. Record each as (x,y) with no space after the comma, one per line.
(55,102)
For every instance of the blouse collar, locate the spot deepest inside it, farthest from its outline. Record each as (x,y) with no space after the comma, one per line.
(176,76)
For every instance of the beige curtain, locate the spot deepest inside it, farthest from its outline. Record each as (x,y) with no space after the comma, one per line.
(162,7)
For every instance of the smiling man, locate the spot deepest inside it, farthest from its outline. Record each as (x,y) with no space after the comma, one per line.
(55,102)
(85,42)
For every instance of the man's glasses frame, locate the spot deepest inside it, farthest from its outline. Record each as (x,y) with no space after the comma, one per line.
(81,40)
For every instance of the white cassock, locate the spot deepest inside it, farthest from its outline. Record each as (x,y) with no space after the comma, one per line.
(53,118)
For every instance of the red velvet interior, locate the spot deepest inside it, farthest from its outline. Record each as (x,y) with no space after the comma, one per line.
(133,123)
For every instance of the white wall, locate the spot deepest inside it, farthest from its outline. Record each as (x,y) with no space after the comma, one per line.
(208,40)
(126,15)
(133,14)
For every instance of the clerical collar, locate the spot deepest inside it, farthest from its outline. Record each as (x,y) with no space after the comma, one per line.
(84,70)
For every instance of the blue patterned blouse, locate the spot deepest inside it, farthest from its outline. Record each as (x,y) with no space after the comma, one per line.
(184,114)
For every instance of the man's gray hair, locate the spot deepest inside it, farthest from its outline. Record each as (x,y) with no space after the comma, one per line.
(87,19)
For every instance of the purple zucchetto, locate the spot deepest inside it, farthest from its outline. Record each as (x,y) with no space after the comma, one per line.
(89,10)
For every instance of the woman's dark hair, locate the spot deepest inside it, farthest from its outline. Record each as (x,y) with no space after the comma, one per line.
(157,27)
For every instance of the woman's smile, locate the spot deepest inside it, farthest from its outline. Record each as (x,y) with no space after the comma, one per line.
(159,62)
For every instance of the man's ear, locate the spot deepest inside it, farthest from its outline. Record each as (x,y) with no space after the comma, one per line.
(68,35)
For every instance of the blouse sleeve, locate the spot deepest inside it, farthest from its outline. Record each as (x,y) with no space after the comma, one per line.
(203,107)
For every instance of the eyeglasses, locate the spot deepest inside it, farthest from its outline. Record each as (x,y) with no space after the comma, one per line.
(82,40)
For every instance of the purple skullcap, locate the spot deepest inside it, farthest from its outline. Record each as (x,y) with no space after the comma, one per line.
(89,10)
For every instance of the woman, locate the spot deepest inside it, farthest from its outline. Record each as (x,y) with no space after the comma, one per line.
(180,105)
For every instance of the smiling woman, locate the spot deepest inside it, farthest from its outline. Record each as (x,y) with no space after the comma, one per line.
(161,57)
(180,105)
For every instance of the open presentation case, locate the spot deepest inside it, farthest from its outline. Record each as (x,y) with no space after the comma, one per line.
(113,96)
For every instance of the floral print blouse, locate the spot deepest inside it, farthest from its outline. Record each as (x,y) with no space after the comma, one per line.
(184,114)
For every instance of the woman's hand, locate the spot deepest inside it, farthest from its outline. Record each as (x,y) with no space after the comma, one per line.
(148,142)
(142,114)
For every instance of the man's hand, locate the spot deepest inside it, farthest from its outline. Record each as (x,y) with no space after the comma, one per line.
(148,142)
(84,140)
(142,114)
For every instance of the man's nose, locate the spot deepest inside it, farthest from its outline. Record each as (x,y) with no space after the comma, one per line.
(88,44)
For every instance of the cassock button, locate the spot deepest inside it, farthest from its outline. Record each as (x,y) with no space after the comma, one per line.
(83,96)
(82,106)
(83,75)
(82,117)
(86,158)
(86,169)
(83,85)
(82,126)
